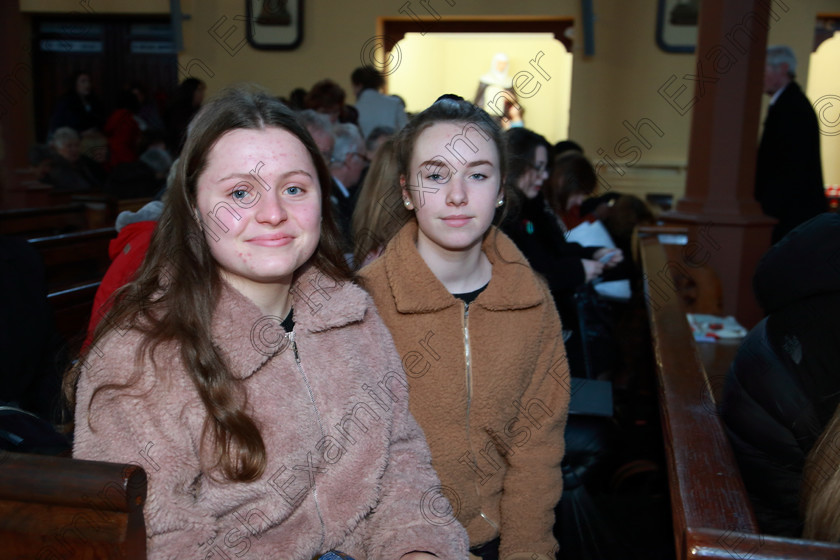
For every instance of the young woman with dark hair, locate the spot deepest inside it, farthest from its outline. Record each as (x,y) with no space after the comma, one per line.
(249,420)
(479,335)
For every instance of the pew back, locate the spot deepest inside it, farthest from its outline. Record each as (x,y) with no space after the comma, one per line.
(712,514)
(74,258)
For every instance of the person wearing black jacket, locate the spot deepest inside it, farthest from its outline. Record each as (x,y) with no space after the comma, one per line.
(788,182)
(534,228)
(784,384)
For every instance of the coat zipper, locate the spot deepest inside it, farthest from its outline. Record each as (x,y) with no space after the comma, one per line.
(320,426)
(467,357)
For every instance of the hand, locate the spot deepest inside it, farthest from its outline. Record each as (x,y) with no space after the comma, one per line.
(418,556)
(592,269)
(616,256)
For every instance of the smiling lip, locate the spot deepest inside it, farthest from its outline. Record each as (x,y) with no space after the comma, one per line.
(457,220)
(271,240)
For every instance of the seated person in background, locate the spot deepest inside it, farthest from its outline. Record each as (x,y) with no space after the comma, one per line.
(327,97)
(319,127)
(347,166)
(71,170)
(379,212)
(376,138)
(534,228)
(217,367)
(783,388)
(567,267)
(123,130)
(79,108)
(148,115)
(127,251)
(571,181)
(564,146)
(143,178)
(185,104)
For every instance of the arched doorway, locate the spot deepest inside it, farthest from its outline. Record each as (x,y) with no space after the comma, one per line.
(450,56)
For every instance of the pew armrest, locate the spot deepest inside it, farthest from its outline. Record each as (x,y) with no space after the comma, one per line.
(67,508)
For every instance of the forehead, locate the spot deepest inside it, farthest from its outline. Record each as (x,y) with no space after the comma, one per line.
(239,149)
(454,141)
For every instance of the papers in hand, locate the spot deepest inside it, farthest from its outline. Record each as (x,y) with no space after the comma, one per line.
(591,234)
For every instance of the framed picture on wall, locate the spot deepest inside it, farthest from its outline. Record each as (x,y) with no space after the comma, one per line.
(275,24)
(676,25)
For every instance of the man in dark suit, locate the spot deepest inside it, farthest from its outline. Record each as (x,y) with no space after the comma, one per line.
(347,166)
(788,184)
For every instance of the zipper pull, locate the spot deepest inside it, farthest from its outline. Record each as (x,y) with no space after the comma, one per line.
(294,346)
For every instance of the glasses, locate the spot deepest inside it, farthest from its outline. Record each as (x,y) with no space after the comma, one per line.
(541,168)
(362,157)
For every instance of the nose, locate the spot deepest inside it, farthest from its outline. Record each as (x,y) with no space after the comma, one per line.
(456,194)
(269,208)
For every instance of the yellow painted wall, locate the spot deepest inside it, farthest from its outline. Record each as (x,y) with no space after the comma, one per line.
(824,92)
(619,83)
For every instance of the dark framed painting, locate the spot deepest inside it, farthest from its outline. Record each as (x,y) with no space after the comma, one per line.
(275,24)
(676,25)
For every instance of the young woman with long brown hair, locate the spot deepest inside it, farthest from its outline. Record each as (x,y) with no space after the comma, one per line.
(248,375)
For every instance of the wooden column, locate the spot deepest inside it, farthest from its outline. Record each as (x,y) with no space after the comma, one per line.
(725,222)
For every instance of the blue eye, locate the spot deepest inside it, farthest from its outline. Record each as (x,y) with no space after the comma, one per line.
(240,194)
(478,176)
(294,190)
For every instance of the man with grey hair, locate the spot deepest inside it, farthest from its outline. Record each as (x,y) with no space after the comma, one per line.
(71,170)
(788,183)
(320,128)
(349,160)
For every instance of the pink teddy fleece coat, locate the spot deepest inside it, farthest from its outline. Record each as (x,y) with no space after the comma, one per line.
(347,467)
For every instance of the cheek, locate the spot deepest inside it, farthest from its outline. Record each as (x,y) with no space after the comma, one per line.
(309,219)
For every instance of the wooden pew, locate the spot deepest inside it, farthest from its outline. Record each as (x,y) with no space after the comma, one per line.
(74,264)
(74,258)
(71,309)
(44,221)
(60,508)
(712,514)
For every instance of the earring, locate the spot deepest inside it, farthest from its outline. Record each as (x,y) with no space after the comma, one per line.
(407,203)
(500,202)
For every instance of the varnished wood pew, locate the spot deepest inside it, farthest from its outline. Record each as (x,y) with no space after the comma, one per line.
(43,221)
(71,309)
(74,258)
(712,514)
(55,508)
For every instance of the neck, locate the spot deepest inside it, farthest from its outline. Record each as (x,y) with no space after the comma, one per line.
(461,271)
(272,298)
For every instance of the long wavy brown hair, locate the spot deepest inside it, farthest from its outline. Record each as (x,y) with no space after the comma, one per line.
(821,485)
(379,212)
(176,289)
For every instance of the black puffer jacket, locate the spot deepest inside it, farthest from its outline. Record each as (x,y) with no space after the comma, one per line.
(784,384)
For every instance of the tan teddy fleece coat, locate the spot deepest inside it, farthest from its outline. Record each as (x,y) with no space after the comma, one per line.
(500,451)
(348,468)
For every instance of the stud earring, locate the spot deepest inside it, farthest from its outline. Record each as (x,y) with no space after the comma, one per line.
(500,202)
(407,203)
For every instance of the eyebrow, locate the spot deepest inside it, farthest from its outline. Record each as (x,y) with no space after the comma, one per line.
(257,175)
(444,163)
